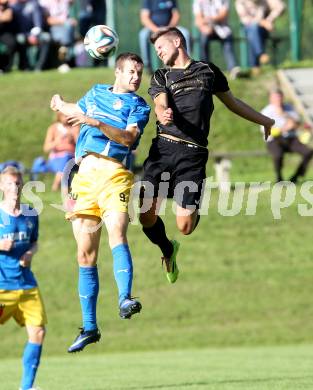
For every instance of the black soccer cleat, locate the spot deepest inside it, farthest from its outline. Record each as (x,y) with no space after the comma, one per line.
(83,339)
(128,307)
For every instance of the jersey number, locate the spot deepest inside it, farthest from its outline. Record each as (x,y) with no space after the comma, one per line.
(122,197)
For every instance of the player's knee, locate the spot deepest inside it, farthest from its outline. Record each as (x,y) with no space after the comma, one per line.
(86,259)
(185,227)
(41,334)
(37,335)
(147,219)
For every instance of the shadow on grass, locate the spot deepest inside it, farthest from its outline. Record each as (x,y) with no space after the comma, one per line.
(225,382)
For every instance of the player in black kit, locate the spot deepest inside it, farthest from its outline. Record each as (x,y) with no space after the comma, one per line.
(183,96)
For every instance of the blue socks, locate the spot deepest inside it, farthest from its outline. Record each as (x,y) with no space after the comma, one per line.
(88,285)
(123,270)
(31,359)
(88,288)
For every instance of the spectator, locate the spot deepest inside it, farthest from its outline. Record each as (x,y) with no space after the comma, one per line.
(211,18)
(29,22)
(92,12)
(153,15)
(60,143)
(62,28)
(283,137)
(7,38)
(257,18)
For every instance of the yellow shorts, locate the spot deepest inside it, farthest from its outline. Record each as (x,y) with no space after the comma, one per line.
(99,187)
(25,306)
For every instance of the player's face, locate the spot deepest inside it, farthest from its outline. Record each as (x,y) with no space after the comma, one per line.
(128,77)
(11,185)
(167,49)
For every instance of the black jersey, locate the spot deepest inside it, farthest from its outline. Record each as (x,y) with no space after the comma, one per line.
(190,95)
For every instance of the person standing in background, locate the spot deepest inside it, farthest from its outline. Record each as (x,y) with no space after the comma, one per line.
(20,297)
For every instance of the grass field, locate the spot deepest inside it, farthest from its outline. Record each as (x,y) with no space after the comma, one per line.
(270,368)
(240,315)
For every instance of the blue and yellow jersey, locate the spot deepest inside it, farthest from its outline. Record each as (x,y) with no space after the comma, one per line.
(118,110)
(23,230)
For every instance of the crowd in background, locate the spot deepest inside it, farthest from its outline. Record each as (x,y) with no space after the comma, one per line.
(41,34)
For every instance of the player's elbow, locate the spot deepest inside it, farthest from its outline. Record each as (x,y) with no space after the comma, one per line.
(129,139)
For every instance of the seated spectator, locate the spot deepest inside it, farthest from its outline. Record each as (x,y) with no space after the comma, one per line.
(29,23)
(211,18)
(60,144)
(257,18)
(62,28)
(153,15)
(7,37)
(284,137)
(91,13)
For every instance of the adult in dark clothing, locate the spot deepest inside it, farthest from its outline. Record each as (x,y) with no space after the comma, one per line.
(7,38)
(284,137)
(183,96)
(30,23)
(155,14)
(92,13)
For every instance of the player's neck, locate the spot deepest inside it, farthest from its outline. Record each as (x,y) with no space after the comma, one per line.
(11,207)
(119,89)
(182,62)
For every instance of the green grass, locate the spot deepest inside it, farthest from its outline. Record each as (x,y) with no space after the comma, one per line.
(270,368)
(244,281)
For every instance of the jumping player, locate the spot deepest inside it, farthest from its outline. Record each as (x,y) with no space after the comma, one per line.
(112,119)
(183,96)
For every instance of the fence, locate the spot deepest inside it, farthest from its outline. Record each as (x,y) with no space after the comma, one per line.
(127,23)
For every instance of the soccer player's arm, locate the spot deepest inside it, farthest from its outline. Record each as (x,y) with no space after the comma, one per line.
(124,137)
(163,112)
(237,106)
(58,104)
(26,258)
(243,110)
(158,93)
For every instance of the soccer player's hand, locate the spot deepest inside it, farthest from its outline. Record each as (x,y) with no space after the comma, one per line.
(56,102)
(267,128)
(167,117)
(6,244)
(79,119)
(26,259)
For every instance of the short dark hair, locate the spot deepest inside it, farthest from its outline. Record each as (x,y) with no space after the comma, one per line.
(121,58)
(170,32)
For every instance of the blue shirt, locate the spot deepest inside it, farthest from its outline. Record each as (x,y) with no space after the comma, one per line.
(118,110)
(160,10)
(23,230)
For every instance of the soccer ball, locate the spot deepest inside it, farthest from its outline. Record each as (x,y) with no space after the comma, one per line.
(101,42)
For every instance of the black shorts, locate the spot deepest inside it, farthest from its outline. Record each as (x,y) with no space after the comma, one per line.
(175,170)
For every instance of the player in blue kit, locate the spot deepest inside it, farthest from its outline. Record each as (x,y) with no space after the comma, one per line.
(112,119)
(19,294)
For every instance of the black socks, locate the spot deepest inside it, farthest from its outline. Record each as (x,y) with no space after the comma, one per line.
(157,235)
